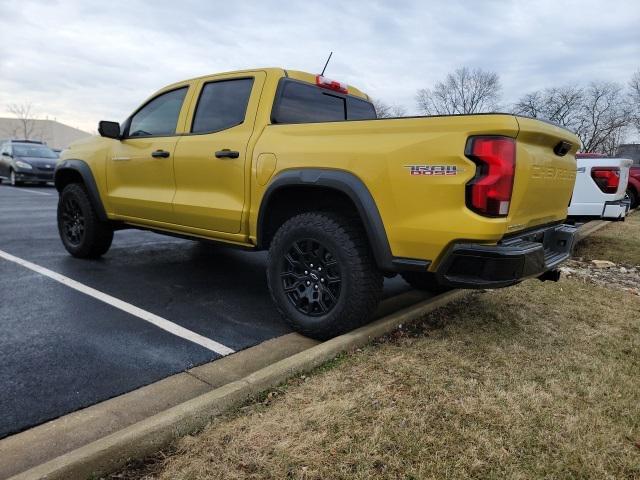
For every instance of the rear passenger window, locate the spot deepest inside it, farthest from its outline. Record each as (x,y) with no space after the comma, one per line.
(222,105)
(300,103)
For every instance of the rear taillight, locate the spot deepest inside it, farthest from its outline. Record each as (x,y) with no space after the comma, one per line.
(489,192)
(607,178)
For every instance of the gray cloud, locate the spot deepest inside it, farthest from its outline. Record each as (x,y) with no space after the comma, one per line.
(82,61)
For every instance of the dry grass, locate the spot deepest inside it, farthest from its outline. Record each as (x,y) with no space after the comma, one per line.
(618,242)
(536,381)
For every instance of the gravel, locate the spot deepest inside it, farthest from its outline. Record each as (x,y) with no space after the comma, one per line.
(605,274)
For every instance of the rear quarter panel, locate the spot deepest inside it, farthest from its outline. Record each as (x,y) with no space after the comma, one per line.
(422,214)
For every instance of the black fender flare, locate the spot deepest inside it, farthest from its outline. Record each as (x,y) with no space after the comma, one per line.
(346,183)
(81,167)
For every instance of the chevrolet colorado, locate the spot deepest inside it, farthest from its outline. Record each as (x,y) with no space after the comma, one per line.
(299,164)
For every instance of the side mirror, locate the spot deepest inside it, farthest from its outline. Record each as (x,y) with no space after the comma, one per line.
(6,154)
(109,129)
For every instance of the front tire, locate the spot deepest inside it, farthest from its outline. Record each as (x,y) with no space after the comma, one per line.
(322,275)
(82,233)
(13,181)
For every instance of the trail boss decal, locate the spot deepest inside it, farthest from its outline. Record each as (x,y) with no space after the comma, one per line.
(433,170)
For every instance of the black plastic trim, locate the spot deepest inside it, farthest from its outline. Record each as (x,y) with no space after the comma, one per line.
(468,265)
(410,264)
(84,170)
(562,148)
(346,183)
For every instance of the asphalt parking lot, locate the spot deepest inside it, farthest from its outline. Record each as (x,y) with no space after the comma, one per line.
(77,332)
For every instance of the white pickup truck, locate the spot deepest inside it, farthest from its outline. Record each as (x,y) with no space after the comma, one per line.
(599,191)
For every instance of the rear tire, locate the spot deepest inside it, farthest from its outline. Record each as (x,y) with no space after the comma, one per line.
(82,233)
(633,197)
(322,275)
(424,281)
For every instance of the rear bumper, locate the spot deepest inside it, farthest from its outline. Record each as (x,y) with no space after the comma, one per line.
(468,265)
(615,210)
(609,210)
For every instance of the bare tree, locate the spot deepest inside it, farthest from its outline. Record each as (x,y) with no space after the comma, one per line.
(598,113)
(463,91)
(604,119)
(634,98)
(384,110)
(24,113)
(560,105)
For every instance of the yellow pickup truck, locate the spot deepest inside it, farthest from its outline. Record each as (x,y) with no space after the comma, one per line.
(299,164)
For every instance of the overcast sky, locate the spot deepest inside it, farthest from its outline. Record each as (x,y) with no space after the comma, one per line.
(83,61)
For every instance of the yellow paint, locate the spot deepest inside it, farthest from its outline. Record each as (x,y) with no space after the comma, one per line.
(265,166)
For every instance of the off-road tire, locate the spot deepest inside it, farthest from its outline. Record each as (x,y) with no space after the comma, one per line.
(343,240)
(75,207)
(424,281)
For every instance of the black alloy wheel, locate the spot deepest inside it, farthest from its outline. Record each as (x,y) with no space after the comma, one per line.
(311,277)
(73,221)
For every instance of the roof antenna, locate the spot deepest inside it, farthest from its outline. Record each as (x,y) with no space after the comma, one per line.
(325,65)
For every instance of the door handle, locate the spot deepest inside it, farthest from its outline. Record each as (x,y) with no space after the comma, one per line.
(226,153)
(160,154)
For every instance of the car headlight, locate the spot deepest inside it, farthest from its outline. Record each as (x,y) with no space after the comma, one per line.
(25,165)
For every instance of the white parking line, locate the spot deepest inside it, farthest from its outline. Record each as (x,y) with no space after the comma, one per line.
(124,306)
(19,189)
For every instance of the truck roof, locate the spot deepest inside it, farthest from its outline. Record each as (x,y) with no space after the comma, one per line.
(295,74)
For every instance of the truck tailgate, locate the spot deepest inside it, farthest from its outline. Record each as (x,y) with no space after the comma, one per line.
(544,180)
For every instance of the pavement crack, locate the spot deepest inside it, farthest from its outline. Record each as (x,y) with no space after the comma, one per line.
(189,372)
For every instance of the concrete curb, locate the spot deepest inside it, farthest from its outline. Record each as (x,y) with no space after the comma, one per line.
(590,228)
(154,433)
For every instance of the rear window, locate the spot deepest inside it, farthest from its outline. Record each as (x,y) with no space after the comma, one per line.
(359,109)
(303,103)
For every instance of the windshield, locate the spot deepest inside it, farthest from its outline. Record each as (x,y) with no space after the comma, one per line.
(39,151)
